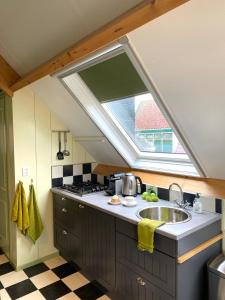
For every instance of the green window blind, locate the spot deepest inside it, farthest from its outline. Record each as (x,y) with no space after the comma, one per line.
(112,79)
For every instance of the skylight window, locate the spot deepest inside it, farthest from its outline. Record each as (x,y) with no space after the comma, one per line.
(121,100)
(142,120)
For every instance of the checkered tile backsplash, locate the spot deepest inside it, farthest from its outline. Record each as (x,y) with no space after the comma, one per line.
(78,173)
(70,174)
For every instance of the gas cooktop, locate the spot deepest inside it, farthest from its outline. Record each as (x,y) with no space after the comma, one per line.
(84,188)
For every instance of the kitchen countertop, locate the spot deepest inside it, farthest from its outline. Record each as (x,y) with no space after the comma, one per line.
(99,201)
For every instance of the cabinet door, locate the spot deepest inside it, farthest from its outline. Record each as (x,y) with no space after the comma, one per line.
(130,285)
(69,245)
(99,246)
(126,283)
(158,267)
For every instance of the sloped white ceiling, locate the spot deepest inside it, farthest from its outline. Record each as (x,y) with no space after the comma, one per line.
(58,99)
(32,31)
(184,54)
(182,51)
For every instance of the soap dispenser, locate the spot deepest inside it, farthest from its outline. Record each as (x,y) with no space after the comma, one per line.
(197,205)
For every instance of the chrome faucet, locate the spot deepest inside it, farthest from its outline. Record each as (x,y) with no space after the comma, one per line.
(182,203)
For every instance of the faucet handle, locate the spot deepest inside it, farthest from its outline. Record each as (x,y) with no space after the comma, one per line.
(187,204)
(183,205)
(178,203)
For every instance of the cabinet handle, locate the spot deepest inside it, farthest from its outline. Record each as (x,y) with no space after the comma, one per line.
(64,210)
(64,232)
(140,281)
(63,199)
(80,206)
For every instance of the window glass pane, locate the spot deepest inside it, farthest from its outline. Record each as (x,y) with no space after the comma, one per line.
(142,120)
(115,78)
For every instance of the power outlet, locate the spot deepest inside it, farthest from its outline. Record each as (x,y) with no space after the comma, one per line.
(25,171)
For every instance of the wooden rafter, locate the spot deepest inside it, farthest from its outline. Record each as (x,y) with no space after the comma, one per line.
(7,76)
(134,18)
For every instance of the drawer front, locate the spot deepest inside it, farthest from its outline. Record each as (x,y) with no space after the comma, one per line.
(69,245)
(162,243)
(131,285)
(62,201)
(157,267)
(68,214)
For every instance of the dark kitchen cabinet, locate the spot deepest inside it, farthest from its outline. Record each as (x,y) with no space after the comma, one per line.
(69,214)
(68,228)
(86,236)
(105,248)
(131,285)
(158,267)
(99,246)
(68,244)
(158,276)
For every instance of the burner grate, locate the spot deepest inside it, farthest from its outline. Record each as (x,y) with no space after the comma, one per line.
(84,187)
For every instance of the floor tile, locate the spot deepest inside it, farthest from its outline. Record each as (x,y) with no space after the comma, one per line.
(3,259)
(104,297)
(37,269)
(4,295)
(44,279)
(55,262)
(33,296)
(12,278)
(55,290)
(90,291)
(65,269)
(53,279)
(75,281)
(6,268)
(21,289)
(70,296)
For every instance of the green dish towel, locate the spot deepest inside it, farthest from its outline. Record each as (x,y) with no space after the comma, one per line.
(146,229)
(36,226)
(20,210)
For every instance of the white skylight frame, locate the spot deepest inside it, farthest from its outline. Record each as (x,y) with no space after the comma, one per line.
(111,128)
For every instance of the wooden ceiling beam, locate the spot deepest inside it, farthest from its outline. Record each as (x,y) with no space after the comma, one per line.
(134,18)
(7,76)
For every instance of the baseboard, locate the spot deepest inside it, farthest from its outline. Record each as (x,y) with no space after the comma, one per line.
(37,261)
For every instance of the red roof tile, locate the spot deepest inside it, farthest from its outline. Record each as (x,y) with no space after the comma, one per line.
(148,116)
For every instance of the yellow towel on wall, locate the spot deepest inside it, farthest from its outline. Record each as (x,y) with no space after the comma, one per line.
(146,230)
(20,210)
(36,226)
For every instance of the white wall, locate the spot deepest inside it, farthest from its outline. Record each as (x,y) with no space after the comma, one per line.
(35,146)
(76,119)
(183,53)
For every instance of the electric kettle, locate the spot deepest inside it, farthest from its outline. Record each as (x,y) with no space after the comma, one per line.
(130,184)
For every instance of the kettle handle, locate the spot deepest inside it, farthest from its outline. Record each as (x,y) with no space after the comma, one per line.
(140,181)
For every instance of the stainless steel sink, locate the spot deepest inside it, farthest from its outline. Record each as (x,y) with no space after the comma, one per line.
(170,215)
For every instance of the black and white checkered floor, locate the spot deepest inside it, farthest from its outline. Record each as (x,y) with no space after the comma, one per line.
(53,279)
